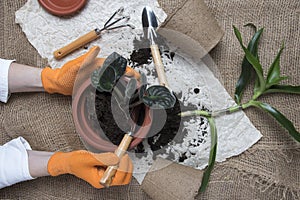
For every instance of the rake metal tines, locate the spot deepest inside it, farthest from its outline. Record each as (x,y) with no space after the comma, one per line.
(109,23)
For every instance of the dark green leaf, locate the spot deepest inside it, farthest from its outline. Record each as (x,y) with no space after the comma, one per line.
(251,25)
(278,80)
(105,78)
(212,154)
(274,71)
(247,69)
(287,124)
(256,86)
(159,97)
(117,62)
(252,60)
(284,89)
(95,78)
(103,82)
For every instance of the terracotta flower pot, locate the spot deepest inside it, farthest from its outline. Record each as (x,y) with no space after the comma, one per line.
(88,127)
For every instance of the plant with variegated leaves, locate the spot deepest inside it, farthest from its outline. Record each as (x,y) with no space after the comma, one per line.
(106,77)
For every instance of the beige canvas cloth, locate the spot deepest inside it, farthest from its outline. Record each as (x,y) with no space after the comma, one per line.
(269,170)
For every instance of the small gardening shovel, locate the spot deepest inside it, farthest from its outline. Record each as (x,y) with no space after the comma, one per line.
(120,151)
(150,25)
(110,172)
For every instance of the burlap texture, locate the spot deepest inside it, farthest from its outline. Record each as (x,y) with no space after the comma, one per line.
(269,170)
(169,180)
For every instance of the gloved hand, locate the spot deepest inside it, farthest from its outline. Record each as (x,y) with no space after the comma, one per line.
(62,80)
(90,166)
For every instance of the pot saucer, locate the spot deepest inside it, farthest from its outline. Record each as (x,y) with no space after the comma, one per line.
(62,7)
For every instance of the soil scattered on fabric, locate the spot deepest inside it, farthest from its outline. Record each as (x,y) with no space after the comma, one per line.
(166,126)
(142,53)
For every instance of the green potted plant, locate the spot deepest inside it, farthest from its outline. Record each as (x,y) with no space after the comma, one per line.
(108,84)
(108,104)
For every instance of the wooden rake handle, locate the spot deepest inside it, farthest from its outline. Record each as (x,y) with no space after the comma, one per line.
(76,44)
(111,170)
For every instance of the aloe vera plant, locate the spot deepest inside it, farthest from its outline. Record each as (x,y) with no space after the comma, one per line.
(251,68)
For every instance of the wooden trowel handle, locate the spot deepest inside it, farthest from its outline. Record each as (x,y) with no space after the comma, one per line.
(111,170)
(76,44)
(159,65)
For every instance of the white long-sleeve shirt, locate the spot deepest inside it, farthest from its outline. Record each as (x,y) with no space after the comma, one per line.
(4,67)
(13,155)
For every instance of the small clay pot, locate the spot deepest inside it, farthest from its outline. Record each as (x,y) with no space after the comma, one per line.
(62,7)
(92,136)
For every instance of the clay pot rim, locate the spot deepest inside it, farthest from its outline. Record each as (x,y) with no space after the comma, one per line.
(54,6)
(91,137)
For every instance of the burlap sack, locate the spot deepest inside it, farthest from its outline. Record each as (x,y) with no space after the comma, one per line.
(169,180)
(269,170)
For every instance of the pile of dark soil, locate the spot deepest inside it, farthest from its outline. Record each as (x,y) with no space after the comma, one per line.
(166,124)
(166,127)
(115,125)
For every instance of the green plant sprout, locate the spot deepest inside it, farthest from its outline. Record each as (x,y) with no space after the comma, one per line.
(251,67)
(105,79)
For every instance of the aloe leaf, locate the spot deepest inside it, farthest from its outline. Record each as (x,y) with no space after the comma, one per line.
(287,124)
(273,76)
(252,60)
(159,97)
(251,25)
(278,80)
(256,86)
(212,154)
(247,69)
(284,89)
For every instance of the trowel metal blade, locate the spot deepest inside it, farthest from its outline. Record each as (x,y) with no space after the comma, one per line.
(150,24)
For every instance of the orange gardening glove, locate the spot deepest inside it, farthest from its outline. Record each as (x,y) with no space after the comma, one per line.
(90,166)
(62,80)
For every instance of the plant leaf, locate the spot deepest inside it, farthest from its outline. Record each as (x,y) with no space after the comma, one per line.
(212,154)
(95,78)
(105,78)
(130,88)
(247,69)
(278,80)
(256,86)
(143,78)
(284,89)
(273,76)
(287,124)
(252,60)
(252,26)
(159,97)
(143,87)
